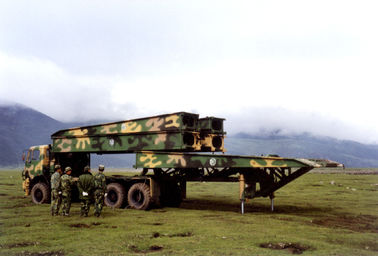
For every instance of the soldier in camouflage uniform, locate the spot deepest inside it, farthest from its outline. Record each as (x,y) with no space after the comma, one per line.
(56,193)
(86,186)
(100,189)
(66,183)
(26,182)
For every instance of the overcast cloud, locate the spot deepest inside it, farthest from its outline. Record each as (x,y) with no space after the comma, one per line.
(291,65)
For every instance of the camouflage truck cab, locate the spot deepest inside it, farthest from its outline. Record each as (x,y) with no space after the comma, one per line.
(37,161)
(39,165)
(36,173)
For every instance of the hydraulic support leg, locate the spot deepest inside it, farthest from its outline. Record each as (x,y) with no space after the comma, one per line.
(242,192)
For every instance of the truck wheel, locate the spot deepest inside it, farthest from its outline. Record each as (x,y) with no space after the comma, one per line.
(116,195)
(40,193)
(139,196)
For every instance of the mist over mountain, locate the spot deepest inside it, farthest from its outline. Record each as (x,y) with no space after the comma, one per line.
(22,127)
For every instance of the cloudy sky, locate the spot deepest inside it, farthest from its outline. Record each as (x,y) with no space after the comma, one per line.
(294,65)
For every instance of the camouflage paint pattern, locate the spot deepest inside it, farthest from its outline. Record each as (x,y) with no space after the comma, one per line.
(36,162)
(56,182)
(327,163)
(98,202)
(85,184)
(213,143)
(56,194)
(56,201)
(172,132)
(187,160)
(211,125)
(128,143)
(181,121)
(66,186)
(99,194)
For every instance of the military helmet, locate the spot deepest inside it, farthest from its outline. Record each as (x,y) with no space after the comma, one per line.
(68,169)
(101,167)
(86,168)
(57,166)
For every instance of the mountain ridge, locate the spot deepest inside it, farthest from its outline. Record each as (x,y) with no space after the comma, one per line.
(22,127)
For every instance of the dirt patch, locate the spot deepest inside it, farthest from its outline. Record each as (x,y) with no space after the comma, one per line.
(3,194)
(185,234)
(157,224)
(79,225)
(21,244)
(282,218)
(293,248)
(156,248)
(6,184)
(210,216)
(57,253)
(152,248)
(360,223)
(155,235)
(82,225)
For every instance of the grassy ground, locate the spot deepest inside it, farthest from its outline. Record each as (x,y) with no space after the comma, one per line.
(318,214)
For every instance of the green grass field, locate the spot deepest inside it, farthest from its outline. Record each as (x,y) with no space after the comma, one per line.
(317,214)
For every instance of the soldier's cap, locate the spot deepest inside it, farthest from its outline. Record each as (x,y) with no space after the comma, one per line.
(101,167)
(86,168)
(57,166)
(68,169)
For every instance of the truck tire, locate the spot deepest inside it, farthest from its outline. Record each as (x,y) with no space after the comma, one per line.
(139,196)
(40,193)
(116,195)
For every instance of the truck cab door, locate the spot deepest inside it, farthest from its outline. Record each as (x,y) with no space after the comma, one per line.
(33,162)
(27,158)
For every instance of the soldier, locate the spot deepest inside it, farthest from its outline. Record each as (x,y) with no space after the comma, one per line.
(100,189)
(85,186)
(56,198)
(66,183)
(26,182)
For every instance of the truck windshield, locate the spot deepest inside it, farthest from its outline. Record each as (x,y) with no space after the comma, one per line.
(35,154)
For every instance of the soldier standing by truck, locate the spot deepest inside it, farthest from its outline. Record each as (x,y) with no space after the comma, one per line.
(56,194)
(26,182)
(66,183)
(85,185)
(100,189)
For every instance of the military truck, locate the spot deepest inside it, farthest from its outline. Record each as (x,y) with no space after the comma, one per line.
(170,150)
